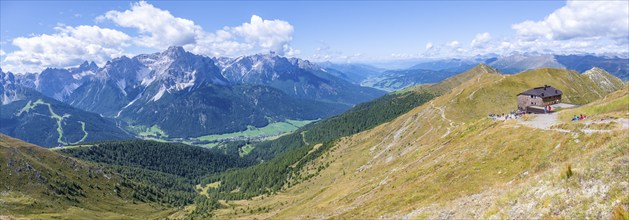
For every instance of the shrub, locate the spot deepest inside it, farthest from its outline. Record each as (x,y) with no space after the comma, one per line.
(568,172)
(619,213)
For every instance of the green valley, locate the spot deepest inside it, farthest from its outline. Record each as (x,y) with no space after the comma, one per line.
(273,129)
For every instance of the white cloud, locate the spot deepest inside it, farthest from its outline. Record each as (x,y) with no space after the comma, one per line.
(429,45)
(480,39)
(600,27)
(256,36)
(68,46)
(268,34)
(454,44)
(2,53)
(95,35)
(580,19)
(158,28)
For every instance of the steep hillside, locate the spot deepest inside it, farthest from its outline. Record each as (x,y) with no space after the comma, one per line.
(172,158)
(606,81)
(214,109)
(446,159)
(38,119)
(38,183)
(286,155)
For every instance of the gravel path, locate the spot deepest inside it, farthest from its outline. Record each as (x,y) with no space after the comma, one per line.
(542,121)
(546,121)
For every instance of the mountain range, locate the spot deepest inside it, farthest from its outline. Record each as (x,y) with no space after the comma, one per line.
(187,95)
(437,70)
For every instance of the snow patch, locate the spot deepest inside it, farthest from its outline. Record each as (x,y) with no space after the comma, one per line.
(159,94)
(79,76)
(144,76)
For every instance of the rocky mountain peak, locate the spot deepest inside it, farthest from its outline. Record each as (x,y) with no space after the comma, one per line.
(174,52)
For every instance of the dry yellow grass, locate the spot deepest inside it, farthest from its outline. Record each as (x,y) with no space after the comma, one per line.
(445,159)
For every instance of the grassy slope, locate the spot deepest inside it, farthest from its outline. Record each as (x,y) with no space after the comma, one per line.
(38,183)
(609,106)
(444,159)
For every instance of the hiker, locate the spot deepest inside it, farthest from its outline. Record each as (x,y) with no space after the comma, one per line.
(575,118)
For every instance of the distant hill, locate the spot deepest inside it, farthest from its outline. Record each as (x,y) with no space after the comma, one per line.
(355,73)
(33,117)
(452,65)
(434,71)
(392,80)
(618,67)
(520,62)
(444,78)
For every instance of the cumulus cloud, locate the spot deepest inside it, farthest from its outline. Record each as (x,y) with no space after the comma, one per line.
(580,19)
(158,28)
(68,46)
(600,27)
(480,39)
(429,45)
(268,34)
(454,44)
(256,36)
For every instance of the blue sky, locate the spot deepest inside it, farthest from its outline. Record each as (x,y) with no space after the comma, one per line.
(35,35)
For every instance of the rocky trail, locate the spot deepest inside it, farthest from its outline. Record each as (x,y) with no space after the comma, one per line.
(547,121)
